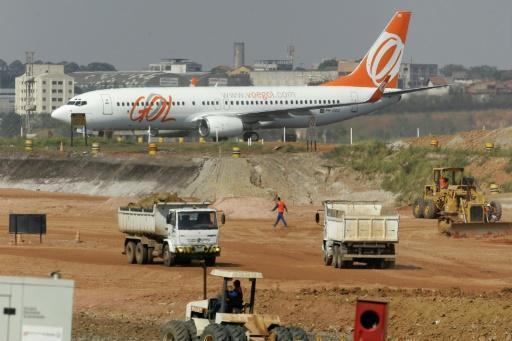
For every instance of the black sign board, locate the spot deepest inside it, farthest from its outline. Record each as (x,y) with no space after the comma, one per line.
(27,224)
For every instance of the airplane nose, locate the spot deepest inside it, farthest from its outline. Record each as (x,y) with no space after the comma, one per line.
(59,115)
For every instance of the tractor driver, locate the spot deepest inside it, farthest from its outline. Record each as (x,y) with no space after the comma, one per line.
(235,298)
(443,183)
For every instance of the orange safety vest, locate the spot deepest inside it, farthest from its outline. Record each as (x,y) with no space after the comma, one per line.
(280,206)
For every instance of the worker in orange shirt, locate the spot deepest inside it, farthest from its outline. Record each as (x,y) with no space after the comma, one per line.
(280,207)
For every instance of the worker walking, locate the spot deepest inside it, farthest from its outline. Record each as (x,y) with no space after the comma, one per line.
(280,207)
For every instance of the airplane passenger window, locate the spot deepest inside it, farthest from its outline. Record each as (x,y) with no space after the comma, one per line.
(252,102)
(338,101)
(117,103)
(202,102)
(237,103)
(193,103)
(266,102)
(231,102)
(182,103)
(270,102)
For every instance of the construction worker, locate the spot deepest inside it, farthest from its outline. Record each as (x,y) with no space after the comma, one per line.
(280,207)
(235,298)
(443,183)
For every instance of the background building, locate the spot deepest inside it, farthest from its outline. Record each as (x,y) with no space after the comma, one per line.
(51,88)
(7,99)
(273,65)
(176,65)
(291,78)
(238,55)
(416,75)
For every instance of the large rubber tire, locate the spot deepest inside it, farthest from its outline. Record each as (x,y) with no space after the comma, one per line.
(210,261)
(175,331)
(498,211)
(236,332)
(141,253)
(281,334)
(215,332)
(150,255)
(192,330)
(169,257)
(417,208)
(389,264)
(336,259)
(129,250)
(327,258)
(429,209)
(298,334)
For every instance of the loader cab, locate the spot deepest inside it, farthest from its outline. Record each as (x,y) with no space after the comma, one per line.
(218,308)
(455,176)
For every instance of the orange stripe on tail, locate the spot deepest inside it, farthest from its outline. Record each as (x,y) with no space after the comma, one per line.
(383,59)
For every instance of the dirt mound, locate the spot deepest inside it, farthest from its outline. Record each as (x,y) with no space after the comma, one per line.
(473,140)
(150,200)
(245,207)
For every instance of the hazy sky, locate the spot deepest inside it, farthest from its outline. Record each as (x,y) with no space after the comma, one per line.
(133,33)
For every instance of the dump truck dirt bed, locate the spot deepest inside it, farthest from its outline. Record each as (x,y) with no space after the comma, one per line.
(438,290)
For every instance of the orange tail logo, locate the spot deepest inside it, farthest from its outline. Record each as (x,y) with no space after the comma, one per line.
(383,59)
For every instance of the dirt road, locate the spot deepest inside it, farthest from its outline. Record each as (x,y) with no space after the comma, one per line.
(441,288)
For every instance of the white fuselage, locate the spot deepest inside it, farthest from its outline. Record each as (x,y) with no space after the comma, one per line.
(181,108)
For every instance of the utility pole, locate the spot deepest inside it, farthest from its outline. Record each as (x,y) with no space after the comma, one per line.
(29,89)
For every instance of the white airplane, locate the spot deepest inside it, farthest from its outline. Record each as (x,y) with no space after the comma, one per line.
(233,111)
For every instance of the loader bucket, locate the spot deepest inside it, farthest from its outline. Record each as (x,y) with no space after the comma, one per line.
(465,230)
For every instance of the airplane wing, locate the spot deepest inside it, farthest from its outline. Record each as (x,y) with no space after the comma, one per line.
(269,114)
(406,91)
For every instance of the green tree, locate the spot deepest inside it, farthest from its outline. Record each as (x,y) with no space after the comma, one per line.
(328,65)
(449,69)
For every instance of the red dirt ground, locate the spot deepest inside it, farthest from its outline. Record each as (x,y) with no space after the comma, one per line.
(441,288)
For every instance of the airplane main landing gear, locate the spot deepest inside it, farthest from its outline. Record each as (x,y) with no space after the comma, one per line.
(254,136)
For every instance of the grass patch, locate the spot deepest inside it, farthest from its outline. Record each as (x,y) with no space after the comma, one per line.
(405,171)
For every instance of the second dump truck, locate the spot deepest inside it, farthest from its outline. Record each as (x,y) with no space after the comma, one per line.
(357,231)
(177,232)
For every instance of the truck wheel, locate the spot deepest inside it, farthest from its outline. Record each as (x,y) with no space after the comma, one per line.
(141,253)
(327,258)
(281,334)
(169,257)
(429,209)
(215,332)
(298,334)
(417,208)
(236,332)
(390,264)
(129,250)
(498,211)
(150,254)
(175,331)
(210,261)
(335,254)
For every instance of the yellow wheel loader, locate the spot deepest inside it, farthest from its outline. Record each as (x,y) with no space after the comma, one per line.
(460,208)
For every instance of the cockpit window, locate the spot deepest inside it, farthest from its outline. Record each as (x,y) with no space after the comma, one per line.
(71,103)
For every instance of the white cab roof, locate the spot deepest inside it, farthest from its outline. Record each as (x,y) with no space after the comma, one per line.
(236,274)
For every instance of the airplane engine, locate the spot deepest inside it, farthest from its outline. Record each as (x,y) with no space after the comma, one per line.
(223,126)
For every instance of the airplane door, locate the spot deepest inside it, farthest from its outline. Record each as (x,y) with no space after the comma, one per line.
(4,318)
(354,100)
(107,104)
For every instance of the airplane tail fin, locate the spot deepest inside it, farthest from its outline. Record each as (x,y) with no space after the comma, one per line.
(383,58)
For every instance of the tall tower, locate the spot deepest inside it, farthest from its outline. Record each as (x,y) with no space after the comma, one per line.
(290,52)
(29,88)
(238,54)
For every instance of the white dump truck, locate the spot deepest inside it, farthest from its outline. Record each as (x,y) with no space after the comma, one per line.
(357,231)
(178,232)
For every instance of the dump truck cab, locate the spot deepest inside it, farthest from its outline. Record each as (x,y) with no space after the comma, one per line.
(214,319)
(178,232)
